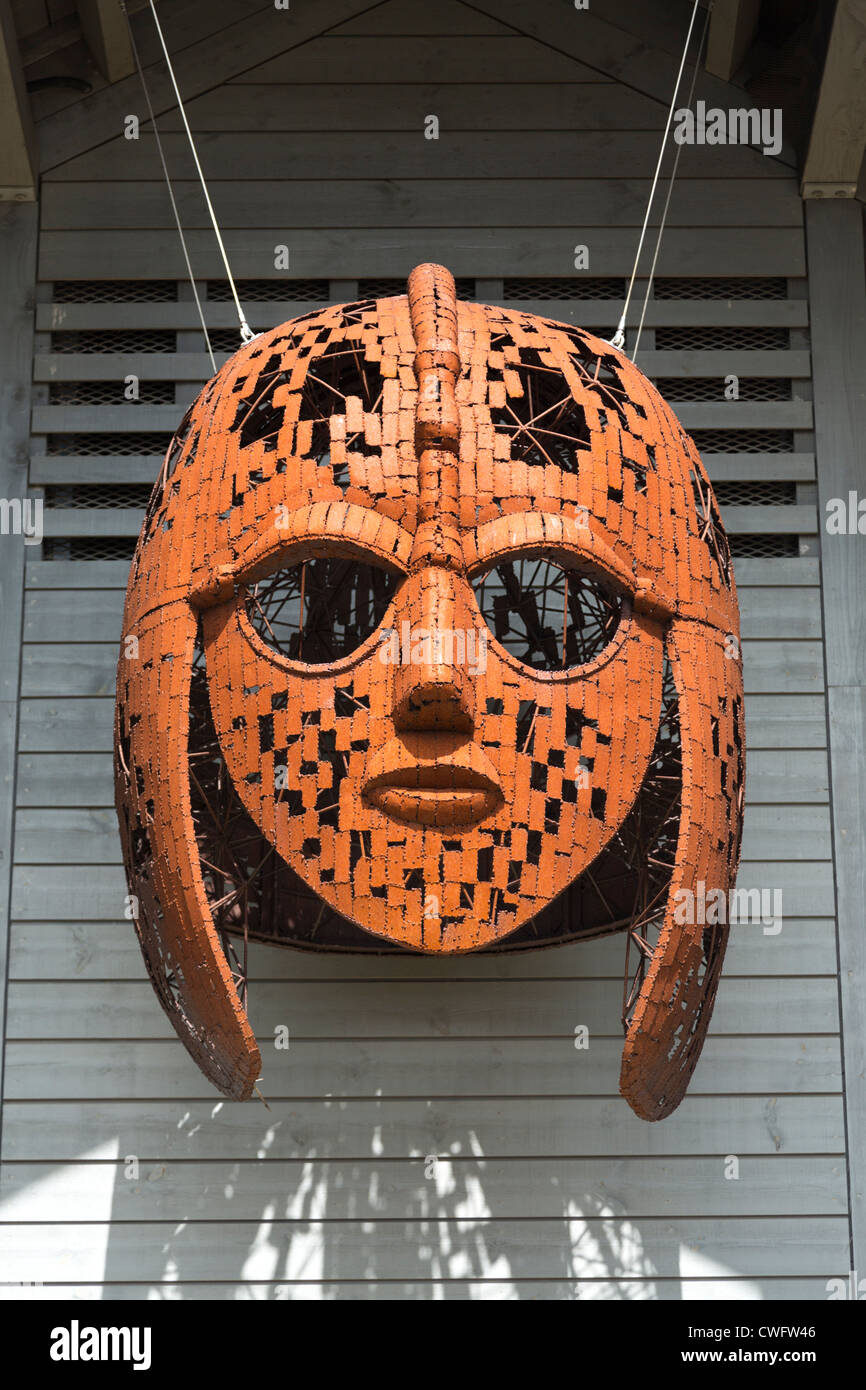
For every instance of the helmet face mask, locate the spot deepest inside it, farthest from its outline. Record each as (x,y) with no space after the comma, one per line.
(434,610)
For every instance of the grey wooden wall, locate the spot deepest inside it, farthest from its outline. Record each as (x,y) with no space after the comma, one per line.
(119,1166)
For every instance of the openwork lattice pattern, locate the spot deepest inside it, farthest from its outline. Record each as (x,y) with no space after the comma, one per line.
(114,291)
(383,286)
(86,548)
(434,622)
(741,287)
(758,492)
(116,340)
(224,340)
(86,496)
(723,338)
(712,388)
(255,895)
(538,287)
(549,617)
(764,547)
(744,441)
(322,609)
(108,445)
(267,291)
(109,393)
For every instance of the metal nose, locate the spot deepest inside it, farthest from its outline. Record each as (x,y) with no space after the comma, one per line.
(437,646)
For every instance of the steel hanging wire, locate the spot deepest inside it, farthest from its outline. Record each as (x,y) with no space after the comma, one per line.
(671,182)
(168,182)
(246,332)
(618,339)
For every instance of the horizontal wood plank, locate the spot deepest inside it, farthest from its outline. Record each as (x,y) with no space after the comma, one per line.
(465,1067)
(109,950)
(419,1009)
(483,154)
(405,1128)
(527,1248)
(805,1288)
(402,202)
(349,251)
(335,58)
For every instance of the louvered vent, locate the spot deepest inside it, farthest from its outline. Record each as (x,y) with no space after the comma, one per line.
(114,291)
(744,441)
(743,287)
(85,496)
(107,445)
(755,493)
(89,548)
(712,388)
(116,340)
(151,445)
(383,287)
(718,338)
(225,341)
(275,291)
(771,547)
(109,393)
(564,287)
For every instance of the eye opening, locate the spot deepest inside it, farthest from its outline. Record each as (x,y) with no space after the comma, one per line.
(338,372)
(319,609)
(550,611)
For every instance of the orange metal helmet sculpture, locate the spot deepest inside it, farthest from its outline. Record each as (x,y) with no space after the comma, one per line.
(436,649)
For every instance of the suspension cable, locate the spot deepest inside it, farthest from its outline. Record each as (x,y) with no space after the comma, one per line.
(618,339)
(247,333)
(168,183)
(672,181)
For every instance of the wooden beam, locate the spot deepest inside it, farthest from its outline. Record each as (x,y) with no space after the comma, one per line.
(837,299)
(200,66)
(107,36)
(732,28)
(626,56)
(838,136)
(18,159)
(18,234)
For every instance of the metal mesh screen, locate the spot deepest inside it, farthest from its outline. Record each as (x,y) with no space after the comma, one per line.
(81,496)
(224,340)
(722,338)
(712,388)
(107,445)
(114,291)
(770,547)
(109,393)
(383,287)
(119,340)
(757,493)
(744,441)
(565,287)
(89,548)
(262,291)
(741,287)
(533,288)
